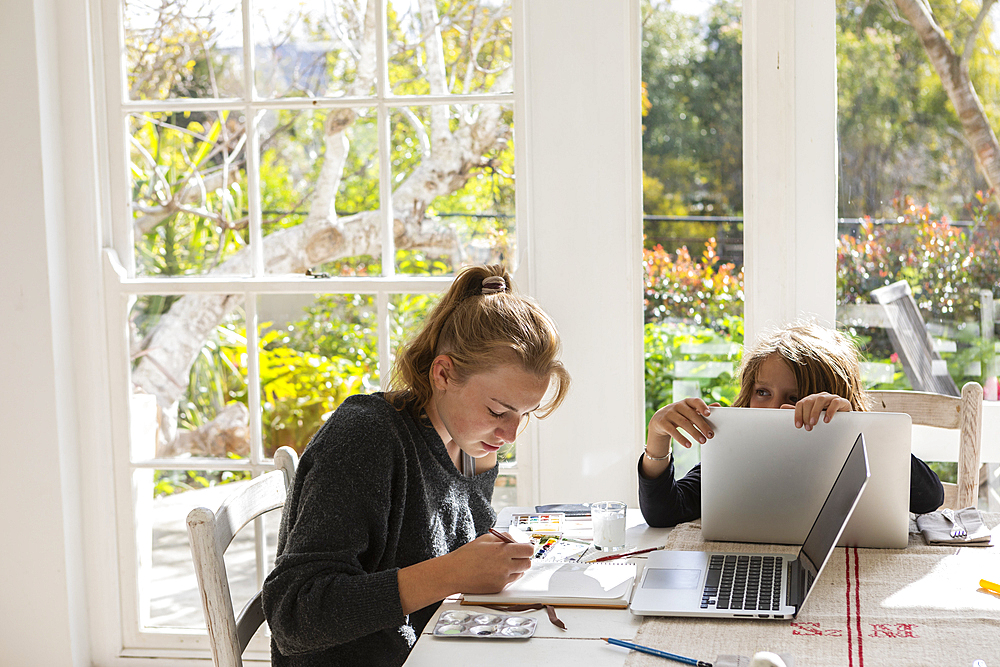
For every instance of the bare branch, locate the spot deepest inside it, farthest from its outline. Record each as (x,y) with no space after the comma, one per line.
(970,39)
(418,127)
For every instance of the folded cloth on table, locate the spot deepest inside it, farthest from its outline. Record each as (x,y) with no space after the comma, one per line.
(936,528)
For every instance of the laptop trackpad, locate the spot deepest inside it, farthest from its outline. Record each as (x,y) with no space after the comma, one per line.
(672,578)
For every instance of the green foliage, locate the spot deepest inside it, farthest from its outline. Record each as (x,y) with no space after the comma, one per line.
(897,130)
(945,265)
(175,152)
(692,139)
(689,303)
(702,292)
(300,390)
(662,344)
(169,482)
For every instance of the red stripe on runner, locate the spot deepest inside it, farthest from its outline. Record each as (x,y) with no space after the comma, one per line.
(857,607)
(847,579)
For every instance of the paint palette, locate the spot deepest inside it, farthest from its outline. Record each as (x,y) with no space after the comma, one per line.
(483,625)
(538,525)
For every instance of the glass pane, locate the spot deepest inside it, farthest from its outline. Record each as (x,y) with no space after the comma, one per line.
(692,204)
(320,175)
(316,350)
(453,186)
(168,585)
(184,49)
(320,49)
(455,46)
(505,492)
(189,186)
(189,374)
(912,203)
(407,313)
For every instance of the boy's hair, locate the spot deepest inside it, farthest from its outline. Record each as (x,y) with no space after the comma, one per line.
(480,327)
(821,359)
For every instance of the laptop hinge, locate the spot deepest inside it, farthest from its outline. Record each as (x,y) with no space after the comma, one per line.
(796,588)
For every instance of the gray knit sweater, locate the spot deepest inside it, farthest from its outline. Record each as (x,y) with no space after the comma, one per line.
(375,491)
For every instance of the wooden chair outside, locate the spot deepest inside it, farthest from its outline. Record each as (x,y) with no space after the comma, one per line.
(210,534)
(909,337)
(963,413)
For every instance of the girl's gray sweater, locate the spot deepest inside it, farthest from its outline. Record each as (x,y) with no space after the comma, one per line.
(375,491)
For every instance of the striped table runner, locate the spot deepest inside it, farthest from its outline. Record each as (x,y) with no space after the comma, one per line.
(916,606)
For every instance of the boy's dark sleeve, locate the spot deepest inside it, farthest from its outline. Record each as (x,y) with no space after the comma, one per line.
(666,502)
(926,491)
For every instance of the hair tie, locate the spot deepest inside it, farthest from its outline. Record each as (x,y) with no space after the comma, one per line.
(494,285)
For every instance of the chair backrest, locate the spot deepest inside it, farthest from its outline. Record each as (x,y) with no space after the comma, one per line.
(909,337)
(963,413)
(210,534)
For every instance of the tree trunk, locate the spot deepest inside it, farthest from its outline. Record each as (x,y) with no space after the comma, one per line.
(954,73)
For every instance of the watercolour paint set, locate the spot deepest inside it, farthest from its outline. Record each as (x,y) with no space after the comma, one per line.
(559,549)
(539,524)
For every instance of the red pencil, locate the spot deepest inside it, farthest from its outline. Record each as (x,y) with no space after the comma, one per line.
(630,553)
(503,537)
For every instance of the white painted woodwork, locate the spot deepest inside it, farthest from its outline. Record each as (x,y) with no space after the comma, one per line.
(963,414)
(210,533)
(582,180)
(789,162)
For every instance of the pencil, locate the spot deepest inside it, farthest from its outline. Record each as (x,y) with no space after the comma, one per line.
(503,537)
(630,553)
(989,585)
(657,652)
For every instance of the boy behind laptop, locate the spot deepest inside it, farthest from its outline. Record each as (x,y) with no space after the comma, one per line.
(810,370)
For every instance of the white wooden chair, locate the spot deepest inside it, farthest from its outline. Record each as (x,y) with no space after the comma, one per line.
(963,413)
(210,534)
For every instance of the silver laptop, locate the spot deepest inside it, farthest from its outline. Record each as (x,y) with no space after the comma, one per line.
(763,480)
(752,585)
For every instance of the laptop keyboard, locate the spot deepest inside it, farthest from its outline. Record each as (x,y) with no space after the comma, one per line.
(747,583)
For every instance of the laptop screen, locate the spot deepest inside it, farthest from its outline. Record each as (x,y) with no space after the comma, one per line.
(836,510)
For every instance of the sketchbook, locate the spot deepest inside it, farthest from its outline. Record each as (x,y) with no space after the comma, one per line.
(606,584)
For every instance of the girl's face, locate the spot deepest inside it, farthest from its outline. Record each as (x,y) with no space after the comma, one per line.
(775,385)
(483,413)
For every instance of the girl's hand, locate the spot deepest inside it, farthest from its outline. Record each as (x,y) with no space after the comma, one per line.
(689,415)
(809,409)
(487,564)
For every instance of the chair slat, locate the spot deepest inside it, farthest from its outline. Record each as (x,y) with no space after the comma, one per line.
(951,412)
(210,534)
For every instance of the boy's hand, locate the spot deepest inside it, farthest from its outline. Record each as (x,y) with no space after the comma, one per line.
(689,414)
(809,409)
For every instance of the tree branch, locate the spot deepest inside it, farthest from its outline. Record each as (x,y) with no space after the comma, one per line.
(970,39)
(957,84)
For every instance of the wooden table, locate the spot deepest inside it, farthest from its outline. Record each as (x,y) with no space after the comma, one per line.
(580,643)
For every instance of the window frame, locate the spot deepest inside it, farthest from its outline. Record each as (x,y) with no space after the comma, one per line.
(592,442)
(121,285)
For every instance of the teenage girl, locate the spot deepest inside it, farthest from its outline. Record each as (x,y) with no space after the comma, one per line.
(811,371)
(390,510)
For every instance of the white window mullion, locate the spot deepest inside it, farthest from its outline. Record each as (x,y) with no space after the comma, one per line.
(253,145)
(253,378)
(384,147)
(384,344)
(789,161)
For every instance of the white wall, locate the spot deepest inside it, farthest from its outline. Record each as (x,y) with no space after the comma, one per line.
(43,602)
